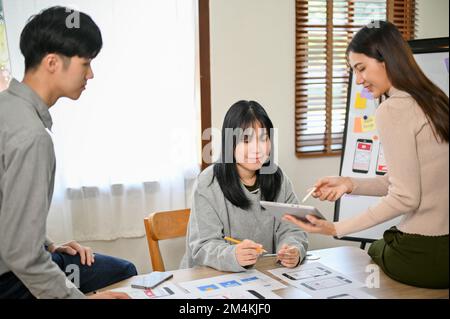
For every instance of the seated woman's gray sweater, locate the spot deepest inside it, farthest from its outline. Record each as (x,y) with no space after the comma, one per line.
(213,217)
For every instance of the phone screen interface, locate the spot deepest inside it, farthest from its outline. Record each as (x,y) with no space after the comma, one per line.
(381,163)
(363,153)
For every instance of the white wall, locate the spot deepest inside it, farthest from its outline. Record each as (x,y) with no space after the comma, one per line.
(252,57)
(432,19)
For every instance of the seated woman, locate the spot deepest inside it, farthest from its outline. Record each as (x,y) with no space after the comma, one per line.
(227,195)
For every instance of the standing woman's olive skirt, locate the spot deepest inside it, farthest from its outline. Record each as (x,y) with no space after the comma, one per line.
(415,260)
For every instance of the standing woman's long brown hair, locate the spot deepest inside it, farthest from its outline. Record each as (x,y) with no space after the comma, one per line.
(382,41)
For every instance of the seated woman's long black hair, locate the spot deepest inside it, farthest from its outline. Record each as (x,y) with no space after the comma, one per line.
(243,115)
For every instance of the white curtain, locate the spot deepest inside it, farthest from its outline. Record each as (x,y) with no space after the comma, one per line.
(130,145)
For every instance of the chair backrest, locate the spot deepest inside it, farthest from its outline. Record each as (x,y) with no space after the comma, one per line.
(164,225)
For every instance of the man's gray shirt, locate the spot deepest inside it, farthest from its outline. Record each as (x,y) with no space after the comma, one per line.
(27,172)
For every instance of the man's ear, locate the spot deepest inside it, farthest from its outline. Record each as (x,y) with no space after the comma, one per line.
(51,62)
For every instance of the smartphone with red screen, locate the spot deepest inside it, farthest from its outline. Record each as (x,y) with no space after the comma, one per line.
(363,153)
(381,163)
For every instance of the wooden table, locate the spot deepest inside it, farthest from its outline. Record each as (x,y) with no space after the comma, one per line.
(349,261)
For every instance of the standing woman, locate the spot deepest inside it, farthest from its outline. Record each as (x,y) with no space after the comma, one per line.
(413,123)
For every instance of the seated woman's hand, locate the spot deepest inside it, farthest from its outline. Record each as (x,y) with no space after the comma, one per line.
(247,252)
(289,256)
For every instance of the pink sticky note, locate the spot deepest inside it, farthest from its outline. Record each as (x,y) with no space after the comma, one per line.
(357,127)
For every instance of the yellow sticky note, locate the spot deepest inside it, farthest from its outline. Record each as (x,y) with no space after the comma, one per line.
(368,124)
(357,127)
(361,102)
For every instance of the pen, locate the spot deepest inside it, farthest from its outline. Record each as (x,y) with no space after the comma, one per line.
(235,241)
(312,190)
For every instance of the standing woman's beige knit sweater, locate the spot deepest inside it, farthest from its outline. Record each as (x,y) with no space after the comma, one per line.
(417,182)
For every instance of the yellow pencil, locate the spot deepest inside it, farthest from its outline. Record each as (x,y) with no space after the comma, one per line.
(235,241)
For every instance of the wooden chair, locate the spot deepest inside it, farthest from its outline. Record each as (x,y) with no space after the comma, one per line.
(164,225)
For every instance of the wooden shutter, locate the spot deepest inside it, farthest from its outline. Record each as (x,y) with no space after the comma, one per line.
(403,14)
(205,77)
(323,30)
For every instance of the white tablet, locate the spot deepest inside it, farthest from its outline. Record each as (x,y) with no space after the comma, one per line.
(299,211)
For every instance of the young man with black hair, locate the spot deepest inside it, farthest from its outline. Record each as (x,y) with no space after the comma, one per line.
(58,59)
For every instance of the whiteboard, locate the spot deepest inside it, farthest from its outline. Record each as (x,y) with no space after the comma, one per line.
(362,154)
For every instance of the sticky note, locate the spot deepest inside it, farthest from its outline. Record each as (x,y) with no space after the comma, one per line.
(364,124)
(368,124)
(361,102)
(365,93)
(357,127)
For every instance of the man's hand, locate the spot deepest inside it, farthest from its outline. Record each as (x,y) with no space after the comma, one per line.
(247,252)
(109,295)
(289,256)
(72,248)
